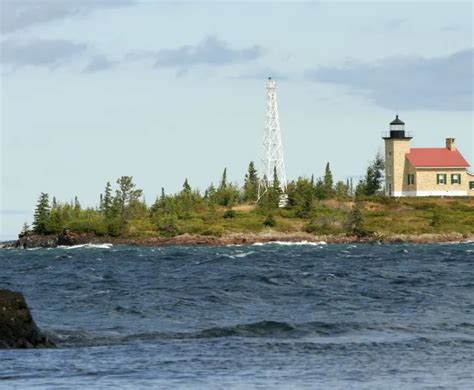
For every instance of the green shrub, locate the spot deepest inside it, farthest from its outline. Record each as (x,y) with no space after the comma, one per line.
(229,214)
(269,221)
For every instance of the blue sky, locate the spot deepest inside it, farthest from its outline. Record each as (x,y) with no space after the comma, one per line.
(92,90)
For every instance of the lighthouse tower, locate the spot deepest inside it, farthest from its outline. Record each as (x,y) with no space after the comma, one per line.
(397,145)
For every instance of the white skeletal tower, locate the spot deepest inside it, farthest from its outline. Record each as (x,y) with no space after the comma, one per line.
(272,158)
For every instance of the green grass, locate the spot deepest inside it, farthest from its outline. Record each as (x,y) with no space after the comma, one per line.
(380,215)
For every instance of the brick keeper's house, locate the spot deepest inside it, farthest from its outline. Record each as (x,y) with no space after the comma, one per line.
(424,171)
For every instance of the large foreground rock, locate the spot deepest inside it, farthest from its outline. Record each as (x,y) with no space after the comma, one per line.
(17,328)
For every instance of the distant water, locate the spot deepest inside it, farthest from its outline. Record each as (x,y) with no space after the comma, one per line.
(270,316)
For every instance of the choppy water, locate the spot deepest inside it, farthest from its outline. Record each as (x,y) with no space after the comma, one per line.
(272,316)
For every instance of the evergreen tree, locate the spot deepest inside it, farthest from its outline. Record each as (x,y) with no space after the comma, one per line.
(25,229)
(341,190)
(55,220)
(374,176)
(211,194)
(126,199)
(300,197)
(328,182)
(251,184)
(77,206)
(107,201)
(41,216)
(227,194)
(271,198)
(356,222)
(186,187)
(319,189)
(127,192)
(185,201)
(224,179)
(276,181)
(361,189)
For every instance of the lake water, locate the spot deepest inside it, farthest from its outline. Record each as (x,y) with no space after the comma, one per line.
(260,316)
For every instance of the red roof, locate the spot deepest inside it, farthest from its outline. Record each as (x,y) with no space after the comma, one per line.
(436,157)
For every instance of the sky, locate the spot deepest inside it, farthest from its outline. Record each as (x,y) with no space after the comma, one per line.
(163,91)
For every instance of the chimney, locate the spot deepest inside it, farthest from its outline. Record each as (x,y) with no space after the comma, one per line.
(451,144)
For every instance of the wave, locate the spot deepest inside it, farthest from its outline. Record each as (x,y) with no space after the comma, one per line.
(318,331)
(88,246)
(290,243)
(270,329)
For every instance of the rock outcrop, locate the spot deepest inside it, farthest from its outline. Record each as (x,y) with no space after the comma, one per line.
(32,240)
(17,328)
(68,237)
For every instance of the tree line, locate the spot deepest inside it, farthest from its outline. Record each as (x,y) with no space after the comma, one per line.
(122,203)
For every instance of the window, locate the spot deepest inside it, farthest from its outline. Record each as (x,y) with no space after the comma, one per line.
(471,185)
(411,178)
(455,178)
(441,178)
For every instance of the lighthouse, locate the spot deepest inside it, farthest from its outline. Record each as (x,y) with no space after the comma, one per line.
(397,146)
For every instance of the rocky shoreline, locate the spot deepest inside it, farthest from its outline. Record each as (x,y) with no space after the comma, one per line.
(68,238)
(17,327)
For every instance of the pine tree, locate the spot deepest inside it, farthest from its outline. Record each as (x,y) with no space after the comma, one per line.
(55,220)
(276,181)
(126,198)
(77,206)
(41,216)
(107,201)
(127,192)
(356,222)
(300,197)
(271,198)
(361,189)
(328,182)
(341,190)
(224,179)
(319,189)
(25,229)
(251,184)
(374,176)
(211,194)
(227,194)
(186,187)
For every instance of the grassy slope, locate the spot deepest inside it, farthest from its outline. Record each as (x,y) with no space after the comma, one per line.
(383,216)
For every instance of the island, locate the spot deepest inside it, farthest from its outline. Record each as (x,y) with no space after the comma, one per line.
(227,214)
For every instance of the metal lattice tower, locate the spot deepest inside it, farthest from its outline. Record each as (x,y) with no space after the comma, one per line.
(272,156)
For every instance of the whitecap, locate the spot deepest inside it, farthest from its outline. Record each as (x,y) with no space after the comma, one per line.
(244,254)
(289,243)
(87,246)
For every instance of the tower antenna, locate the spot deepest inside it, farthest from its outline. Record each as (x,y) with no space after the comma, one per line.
(272,156)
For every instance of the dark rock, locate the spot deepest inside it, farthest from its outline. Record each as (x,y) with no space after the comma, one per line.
(32,240)
(68,238)
(17,328)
